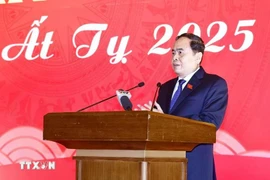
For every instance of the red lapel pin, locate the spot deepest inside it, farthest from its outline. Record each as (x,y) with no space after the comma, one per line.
(189,86)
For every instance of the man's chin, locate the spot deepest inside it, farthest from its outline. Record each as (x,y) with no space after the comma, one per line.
(178,72)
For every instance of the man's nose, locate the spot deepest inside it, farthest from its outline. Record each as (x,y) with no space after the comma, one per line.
(175,57)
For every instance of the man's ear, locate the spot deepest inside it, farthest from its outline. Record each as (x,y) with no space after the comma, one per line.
(199,57)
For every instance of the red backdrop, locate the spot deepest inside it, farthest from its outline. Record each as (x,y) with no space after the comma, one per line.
(62,56)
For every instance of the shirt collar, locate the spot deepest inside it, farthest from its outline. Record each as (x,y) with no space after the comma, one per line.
(188,77)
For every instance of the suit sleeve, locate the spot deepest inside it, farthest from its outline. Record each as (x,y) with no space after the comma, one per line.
(215,104)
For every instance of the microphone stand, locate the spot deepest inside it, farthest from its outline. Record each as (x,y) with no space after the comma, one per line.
(158,86)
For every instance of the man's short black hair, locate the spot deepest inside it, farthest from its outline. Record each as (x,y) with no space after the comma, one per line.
(196,43)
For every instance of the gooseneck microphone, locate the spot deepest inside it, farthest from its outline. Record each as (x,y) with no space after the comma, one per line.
(138,85)
(141,84)
(153,102)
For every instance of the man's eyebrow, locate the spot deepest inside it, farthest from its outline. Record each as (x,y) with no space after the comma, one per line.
(178,49)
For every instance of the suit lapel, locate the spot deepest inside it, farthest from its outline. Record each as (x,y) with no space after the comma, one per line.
(193,83)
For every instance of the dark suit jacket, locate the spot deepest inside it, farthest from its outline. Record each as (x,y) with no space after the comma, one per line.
(204,98)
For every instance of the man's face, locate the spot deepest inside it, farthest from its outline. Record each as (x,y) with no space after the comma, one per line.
(184,61)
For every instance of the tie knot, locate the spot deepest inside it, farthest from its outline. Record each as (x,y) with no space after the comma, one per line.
(181,82)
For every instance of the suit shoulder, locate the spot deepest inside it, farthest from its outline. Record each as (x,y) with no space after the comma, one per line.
(215,79)
(169,82)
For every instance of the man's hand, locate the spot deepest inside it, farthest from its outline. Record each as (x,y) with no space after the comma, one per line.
(148,107)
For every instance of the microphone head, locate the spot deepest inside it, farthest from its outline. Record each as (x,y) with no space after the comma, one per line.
(158,84)
(126,103)
(141,84)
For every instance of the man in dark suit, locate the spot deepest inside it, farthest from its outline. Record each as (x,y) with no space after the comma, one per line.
(194,94)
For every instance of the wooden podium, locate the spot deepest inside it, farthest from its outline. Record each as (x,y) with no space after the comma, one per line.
(128,145)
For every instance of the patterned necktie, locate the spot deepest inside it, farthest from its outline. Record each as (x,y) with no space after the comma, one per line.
(177,93)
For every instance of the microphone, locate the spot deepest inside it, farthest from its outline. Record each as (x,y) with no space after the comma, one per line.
(138,85)
(141,84)
(158,86)
(124,99)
